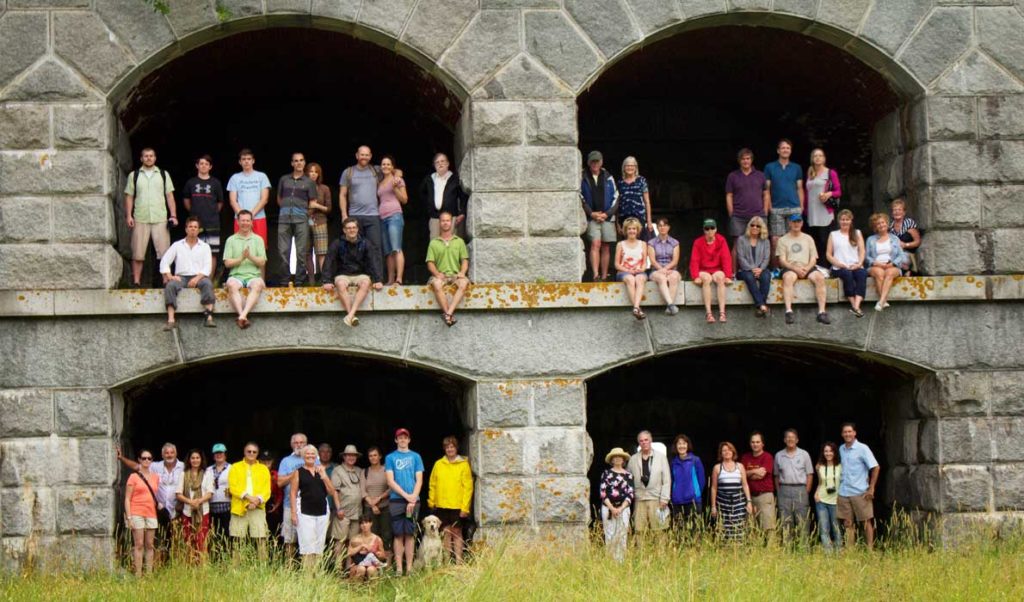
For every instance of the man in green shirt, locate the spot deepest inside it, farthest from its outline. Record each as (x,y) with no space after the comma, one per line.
(245,256)
(448,262)
(148,201)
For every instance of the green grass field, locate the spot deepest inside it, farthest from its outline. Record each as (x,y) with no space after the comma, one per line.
(987,569)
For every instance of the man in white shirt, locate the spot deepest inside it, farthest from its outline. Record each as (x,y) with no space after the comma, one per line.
(193,261)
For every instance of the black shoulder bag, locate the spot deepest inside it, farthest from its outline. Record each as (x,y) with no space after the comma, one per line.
(163,515)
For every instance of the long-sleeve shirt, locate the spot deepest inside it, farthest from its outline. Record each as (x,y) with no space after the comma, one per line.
(659,483)
(749,257)
(710,258)
(188,261)
(346,258)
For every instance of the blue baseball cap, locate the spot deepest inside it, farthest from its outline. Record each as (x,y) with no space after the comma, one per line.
(796,217)
(219,448)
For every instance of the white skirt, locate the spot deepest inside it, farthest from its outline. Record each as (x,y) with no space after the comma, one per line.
(312,533)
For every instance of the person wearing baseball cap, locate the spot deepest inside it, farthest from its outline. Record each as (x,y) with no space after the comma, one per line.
(711,262)
(798,257)
(220,502)
(600,202)
(404,469)
(617,493)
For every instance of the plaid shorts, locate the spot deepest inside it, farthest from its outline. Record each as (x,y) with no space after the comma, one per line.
(319,238)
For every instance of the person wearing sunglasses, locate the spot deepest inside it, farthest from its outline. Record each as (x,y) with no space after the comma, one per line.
(711,263)
(140,512)
(347,480)
(249,484)
(753,254)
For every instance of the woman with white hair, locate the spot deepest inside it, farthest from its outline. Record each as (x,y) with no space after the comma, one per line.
(313,485)
(634,198)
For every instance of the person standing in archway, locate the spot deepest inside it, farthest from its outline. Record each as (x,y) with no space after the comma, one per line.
(794,477)
(311,519)
(746,196)
(730,493)
(450,495)
(347,481)
(785,186)
(140,507)
(392,194)
(635,198)
(600,200)
(760,472)
(376,498)
(295,192)
(822,196)
(857,486)
(249,484)
(204,198)
(616,491)
(652,480)
(148,206)
(357,198)
(687,483)
(404,470)
(288,465)
(220,501)
(442,192)
(250,190)
(318,211)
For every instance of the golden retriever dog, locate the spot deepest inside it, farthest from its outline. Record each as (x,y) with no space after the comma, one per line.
(430,555)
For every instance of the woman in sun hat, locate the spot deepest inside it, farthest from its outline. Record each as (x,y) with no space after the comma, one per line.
(616,498)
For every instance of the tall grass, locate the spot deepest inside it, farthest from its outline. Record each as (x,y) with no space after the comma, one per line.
(905,566)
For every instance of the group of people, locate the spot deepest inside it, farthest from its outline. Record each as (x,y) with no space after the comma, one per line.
(368,253)
(659,492)
(768,213)
(369,513)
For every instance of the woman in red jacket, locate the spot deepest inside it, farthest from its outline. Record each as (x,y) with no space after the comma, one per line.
(710,261)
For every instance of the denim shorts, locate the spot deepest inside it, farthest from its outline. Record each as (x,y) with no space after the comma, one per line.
(393,226)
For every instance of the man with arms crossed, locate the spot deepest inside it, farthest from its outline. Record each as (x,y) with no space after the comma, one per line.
(761,477)
(857,486)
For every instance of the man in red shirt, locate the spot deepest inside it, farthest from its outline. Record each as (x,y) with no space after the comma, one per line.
(760,469)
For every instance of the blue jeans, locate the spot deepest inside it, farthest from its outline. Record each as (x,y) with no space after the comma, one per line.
(758,287)
(854,281)
(828,526)
(393,226)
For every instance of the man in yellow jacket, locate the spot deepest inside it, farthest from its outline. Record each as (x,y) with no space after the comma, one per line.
(249,487)
(451,494)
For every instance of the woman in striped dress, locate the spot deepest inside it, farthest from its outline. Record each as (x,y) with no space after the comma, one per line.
(730,495)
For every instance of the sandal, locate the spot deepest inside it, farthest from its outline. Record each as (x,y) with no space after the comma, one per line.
(721,317)
(240,322)
(209,319)
(636,313)
(246,323)
(709,318)
(168,327)
(640,314)
(449,320)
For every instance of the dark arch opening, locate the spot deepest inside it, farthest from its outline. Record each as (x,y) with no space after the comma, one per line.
(285,89)
(723,393)
(684,106)
(265,398)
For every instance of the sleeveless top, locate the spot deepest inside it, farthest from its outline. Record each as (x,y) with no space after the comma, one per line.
(729,478)
(633,258)
(842,250)
(884,250)
(313,493)
(817,213)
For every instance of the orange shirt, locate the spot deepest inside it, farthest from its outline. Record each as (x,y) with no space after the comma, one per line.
(141,502)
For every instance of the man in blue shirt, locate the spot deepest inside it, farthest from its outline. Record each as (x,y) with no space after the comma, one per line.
(857,486)
(785,183)
(288,465)
(404,469)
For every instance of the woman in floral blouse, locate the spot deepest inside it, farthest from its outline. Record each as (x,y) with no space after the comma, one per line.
(616,498)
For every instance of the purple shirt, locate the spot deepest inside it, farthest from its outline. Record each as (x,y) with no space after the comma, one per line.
(663,249)
(747,193)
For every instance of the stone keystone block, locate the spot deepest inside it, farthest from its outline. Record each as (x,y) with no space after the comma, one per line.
(26,412)
(83,40)
(556,43)
(490,40)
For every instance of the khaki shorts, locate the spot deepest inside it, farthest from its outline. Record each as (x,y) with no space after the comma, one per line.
(855,507)
(343,529)
(455,277)
(143,522)
(142,233)
(251,524)
(646,516)
(347,281)
(764,510)
(605,231)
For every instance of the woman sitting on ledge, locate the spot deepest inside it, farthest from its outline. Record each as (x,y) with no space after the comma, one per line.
(710,261)
(663,252)
(885,258)
(753,253)
(630,260)
(845,251)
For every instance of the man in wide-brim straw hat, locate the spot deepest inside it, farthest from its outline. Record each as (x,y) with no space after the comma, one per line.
(616,498)
(348,480)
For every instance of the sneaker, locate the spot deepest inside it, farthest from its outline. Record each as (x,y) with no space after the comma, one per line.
(885,305)
(790,318)
(348,321)
(673,309)
(776,274)
(668,310)
(823,318)
(879,307)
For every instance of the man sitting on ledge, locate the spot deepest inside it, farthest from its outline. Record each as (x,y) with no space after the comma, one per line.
(350,261)
(193,261)
(245,256)
(448,262)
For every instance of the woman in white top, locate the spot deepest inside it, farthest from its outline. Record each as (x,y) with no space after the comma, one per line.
(845,251)
(194,489)
(631,264)
(885,258)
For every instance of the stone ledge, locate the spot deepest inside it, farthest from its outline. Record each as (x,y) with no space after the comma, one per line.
(98,302)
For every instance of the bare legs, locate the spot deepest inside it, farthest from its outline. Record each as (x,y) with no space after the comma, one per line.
(884,277)
(851,532)
(668,284)
(635,289)
(453,542)
(143,548)
(396,267)
(404,548)
(448,307)
(348,301)
(705,280)
(789,279)
(600,255)
(242,308)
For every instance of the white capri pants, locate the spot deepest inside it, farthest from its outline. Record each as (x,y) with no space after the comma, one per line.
(312,533)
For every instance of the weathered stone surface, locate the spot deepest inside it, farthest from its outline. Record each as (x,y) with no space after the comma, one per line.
(141,28)
(558,45)
(504,500)
(944,36)
(83,219)
(501,452)
(1008,485)
(1008,250)
(954,393)
(58,266)
(805,8)
(42,172)
(386,15)
(343,10)
(47,81)
(497,214)
(27,511)
(503,404)
(542,260)
(82,412)
(497,123)
(697,8)
(433,25)
(24,127)
(557,450)
(288,6)
(977,74)
(886,140)
(551,123)
(607,23)
(54,461)
(925,487)
(562,500)
(1007,435)
(1006,392)
(890,23)
(490,40)
(79,126)
(951,118)
(22,41)
(951,252)
(998,34)
(24,219)
(902,442)
(955,206)
(46,4)
(1001,117)
(966,488)
(559,403)
(85,511)
(26,412)
(653,15)
(554,214)
(521,168)
(187,16)
(522,77)
(738,5)
(83,40)
(482,346)
(965,440)
(520,3)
